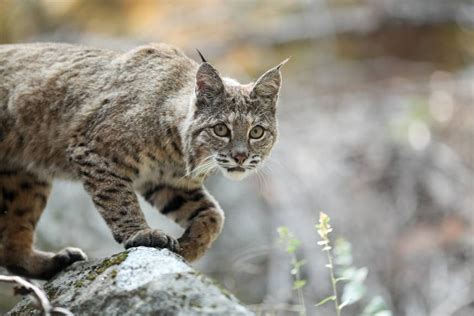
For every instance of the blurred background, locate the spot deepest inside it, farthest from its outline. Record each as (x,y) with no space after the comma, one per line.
(377,130)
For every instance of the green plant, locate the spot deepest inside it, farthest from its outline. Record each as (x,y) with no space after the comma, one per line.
(324,228)
(341,270)
(354,289)
(291,245)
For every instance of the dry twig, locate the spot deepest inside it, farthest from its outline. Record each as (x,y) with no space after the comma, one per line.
(28,288)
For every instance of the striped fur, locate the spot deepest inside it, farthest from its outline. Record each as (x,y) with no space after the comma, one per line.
(142,121)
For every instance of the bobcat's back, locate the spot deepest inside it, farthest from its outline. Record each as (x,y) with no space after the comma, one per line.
(49,91)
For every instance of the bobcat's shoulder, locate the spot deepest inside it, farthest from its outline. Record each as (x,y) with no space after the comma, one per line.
(53,93)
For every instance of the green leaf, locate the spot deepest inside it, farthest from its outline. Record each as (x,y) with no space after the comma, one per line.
(361,275)
(344,304)
(353,292)
(283,231)
(287,240)
(342,252)
(293,245)
(348,273)
(298,284)
(299,264)
(327,299)
(376,307)
(341,279)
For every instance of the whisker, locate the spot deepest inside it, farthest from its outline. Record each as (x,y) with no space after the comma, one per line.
(273,159)
(198,168)
(267,168)
(263,181)
(202,168)
(208,166)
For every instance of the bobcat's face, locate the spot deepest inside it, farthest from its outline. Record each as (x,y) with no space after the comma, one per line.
(239,136)
(234,126)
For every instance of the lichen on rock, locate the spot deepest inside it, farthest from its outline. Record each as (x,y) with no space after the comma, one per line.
(139,281)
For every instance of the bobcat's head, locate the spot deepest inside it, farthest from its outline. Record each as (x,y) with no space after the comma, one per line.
(231,126)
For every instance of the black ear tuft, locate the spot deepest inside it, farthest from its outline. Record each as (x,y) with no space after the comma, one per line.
(202,57)
(282,63)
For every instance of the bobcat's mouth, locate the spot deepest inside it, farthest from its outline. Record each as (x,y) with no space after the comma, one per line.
(236,169)
(235,173)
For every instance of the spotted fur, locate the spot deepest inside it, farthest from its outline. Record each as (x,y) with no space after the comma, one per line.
(123,123)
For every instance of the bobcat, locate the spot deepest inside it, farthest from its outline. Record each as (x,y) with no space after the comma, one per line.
(150,121)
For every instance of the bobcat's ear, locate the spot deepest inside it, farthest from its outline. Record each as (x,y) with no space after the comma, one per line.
(268,85)
(208,82)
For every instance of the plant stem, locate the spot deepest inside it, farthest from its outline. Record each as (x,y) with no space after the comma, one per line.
(333,282)
(299,290)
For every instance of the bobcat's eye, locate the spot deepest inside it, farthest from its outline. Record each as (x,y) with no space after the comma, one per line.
(221,130)
(257,132)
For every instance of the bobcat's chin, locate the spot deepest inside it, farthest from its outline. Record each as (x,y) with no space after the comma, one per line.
(236,173)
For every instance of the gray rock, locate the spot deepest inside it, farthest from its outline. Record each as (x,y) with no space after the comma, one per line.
(140,281)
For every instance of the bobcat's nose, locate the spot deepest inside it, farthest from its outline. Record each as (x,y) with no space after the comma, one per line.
(240,157)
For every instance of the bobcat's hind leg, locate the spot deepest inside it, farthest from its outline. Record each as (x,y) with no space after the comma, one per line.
(23,197)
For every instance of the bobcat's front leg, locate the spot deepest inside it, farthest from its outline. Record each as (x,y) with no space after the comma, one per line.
(110,185)
(195,210)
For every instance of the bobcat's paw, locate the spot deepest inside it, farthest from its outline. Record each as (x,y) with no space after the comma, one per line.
(68,256)
(58,262)
(192,249)
(44,265)
(152,238)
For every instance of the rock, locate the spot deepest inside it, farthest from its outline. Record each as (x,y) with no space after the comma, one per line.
(139,281)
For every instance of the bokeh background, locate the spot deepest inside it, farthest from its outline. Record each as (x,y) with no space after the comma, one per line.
(377,130)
